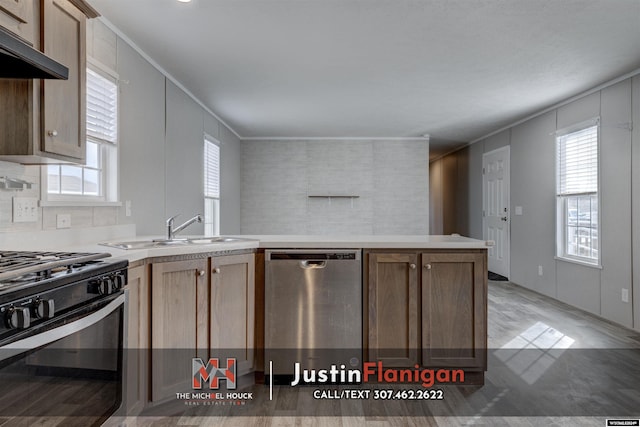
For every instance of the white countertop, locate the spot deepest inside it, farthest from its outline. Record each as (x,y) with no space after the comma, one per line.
(367,242)
(86,240)
(171,250)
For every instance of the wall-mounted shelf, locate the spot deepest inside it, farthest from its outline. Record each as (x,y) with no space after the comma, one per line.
(9,184)
(333,196)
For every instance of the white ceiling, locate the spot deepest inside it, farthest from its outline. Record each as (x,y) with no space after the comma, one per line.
(454,69)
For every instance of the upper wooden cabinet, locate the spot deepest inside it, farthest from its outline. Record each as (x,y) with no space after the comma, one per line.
(43,121)
(64,37)
(19,17)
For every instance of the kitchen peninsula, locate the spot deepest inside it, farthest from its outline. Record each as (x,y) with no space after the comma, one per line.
(424,298)
(424,303)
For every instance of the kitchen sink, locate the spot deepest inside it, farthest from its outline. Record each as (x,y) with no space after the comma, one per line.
(161,243)
(209,240)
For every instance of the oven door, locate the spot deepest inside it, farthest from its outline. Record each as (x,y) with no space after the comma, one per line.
(67,368)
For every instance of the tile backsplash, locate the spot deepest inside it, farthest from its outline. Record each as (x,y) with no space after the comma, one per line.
(81,216)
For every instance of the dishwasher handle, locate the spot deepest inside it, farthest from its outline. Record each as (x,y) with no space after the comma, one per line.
(312,264)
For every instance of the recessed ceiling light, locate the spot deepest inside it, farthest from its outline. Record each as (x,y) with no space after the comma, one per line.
(184,1)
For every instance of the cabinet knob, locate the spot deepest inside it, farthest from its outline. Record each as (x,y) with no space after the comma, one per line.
(427,266)
(52,133)
(201,273)
(412,266)
(216,270)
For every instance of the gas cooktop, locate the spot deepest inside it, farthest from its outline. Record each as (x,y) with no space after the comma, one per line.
(19,269)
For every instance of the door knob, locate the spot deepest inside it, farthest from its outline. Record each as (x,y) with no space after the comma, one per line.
(201,273)
(412,266)
(504,218)
(216,270)
(52,133)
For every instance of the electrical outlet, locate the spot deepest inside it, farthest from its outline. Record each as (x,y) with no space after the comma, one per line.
(25,209)
(625,295)
(63,221)
(539,270)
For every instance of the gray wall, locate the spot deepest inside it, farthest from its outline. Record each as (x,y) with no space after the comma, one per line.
(533,187)
(160,152)
(391,179)
(161,157)
(142,117)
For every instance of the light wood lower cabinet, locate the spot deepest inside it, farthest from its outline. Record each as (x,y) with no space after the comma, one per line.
(177,291)
(200,308)
(427,308)
(393,308)
(137,345)
(232,308)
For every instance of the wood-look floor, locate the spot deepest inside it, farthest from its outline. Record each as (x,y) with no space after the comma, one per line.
(602,369)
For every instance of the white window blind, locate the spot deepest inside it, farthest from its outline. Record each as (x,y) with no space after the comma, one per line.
(578,162)
(97,180)
(211,170)
(102,108)
(577,228)
(211,188)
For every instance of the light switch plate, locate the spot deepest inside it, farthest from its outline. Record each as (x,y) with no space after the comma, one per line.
(625,295)
(518,210)
(25,209)
(63,221)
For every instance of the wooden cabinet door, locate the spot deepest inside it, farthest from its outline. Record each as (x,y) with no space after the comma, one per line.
(17,16)
(454,310)
(393,308)
(63,106)
(232,310)
(179,290)
(137,344)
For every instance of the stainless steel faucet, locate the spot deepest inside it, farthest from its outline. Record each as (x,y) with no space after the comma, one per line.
(171,232)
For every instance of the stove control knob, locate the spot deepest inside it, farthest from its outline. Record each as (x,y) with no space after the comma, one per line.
(106,286)
(118,281)
(18,318)
(44,308)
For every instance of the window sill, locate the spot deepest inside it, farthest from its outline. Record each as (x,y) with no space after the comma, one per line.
(78,203)
(576,261)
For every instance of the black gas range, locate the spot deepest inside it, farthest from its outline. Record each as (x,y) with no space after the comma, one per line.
(38,286)
(61,331)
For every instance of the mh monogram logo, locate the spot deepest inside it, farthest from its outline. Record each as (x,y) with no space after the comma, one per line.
(213,373)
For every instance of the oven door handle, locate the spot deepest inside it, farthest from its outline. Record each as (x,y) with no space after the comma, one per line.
(51,335)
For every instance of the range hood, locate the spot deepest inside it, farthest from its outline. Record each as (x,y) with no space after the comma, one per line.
(20,61)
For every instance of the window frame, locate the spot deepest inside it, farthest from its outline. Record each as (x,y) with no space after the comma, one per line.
(212,229)
(108,161)
(562,200)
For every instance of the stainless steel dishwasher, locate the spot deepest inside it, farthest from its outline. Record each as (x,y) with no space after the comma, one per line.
(313,310)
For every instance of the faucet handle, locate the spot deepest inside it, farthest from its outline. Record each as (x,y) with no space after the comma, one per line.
(170,220)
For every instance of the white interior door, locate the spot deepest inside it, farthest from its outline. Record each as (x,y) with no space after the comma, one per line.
(495,205)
